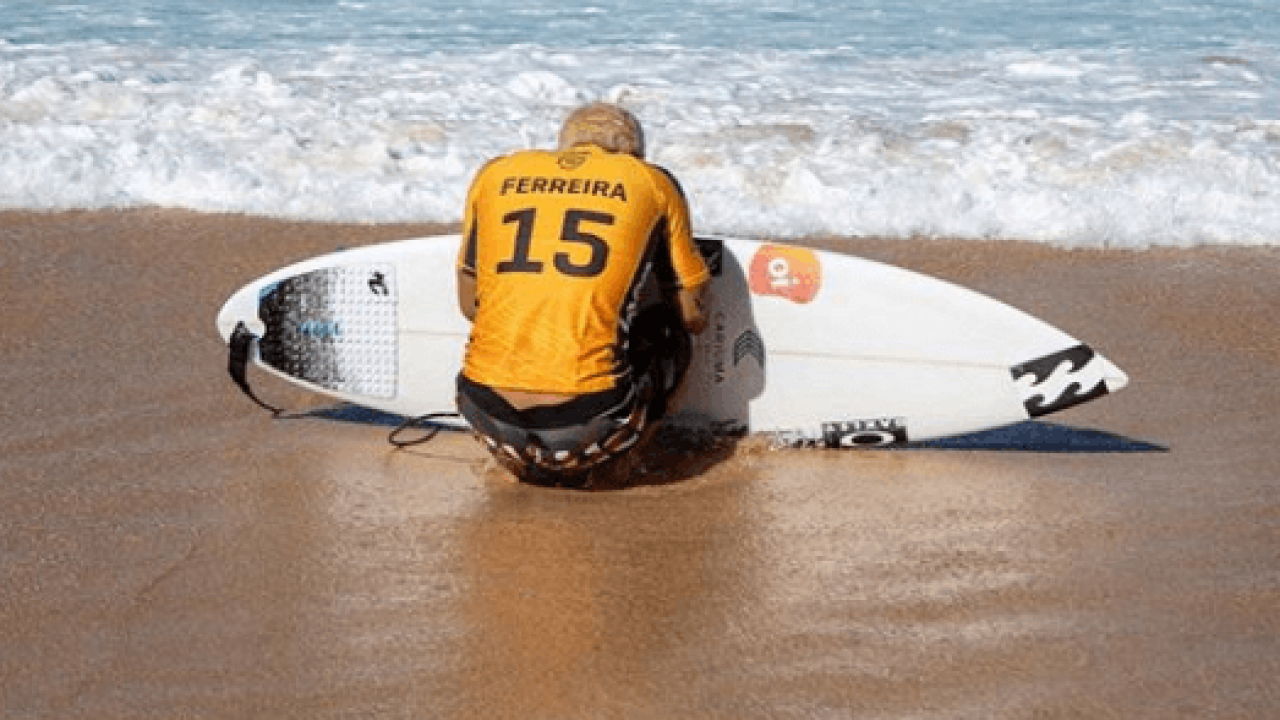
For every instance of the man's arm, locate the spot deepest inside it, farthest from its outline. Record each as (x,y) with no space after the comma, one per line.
(691,276)
(467,294)
(691,303)
(467,262)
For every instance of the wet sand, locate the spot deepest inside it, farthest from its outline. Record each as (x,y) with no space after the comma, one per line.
(168,550)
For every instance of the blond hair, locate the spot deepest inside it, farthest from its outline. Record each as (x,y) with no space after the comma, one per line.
(606,125)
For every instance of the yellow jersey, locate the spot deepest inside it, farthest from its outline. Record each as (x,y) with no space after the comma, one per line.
(559,243)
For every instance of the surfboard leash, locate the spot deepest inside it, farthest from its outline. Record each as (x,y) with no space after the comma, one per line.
(416,423)
(241,349)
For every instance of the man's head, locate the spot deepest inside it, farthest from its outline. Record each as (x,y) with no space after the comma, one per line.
(606,125)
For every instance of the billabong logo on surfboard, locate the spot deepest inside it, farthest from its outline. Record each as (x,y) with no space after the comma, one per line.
(1061,380)
(789,272)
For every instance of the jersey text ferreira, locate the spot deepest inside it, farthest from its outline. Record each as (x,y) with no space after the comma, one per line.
(526,185)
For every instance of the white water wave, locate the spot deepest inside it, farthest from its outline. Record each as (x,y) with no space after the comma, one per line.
(1100,148)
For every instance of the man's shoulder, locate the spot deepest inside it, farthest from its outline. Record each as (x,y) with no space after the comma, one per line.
(515,159)
(664,175)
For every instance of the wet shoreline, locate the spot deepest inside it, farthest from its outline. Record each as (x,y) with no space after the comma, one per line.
(170,550)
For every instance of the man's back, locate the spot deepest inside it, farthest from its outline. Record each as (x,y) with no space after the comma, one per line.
(557,242)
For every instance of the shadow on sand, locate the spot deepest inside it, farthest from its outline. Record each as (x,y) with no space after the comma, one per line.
(677,454)
(1042,437)
(671,456)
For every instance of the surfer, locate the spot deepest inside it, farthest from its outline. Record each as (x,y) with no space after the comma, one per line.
(564,372)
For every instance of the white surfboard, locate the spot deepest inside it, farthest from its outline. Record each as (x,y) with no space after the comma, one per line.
(816,347)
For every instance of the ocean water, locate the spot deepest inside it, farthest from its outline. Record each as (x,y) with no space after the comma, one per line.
(1120,123)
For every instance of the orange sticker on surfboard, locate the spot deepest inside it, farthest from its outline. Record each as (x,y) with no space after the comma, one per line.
(789,272)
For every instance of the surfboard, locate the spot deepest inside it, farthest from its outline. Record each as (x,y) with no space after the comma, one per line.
(814,347)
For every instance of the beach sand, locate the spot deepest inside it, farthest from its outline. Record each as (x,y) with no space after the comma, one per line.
(169,550)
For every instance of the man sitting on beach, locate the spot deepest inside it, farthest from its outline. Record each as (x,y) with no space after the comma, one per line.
(563,372)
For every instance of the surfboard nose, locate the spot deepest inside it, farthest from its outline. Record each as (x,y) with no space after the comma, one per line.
(1065,379)
(1113,375)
